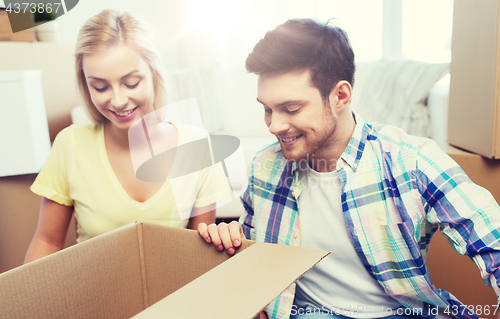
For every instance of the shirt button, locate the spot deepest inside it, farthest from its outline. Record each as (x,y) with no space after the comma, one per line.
(293,193)
(355,165)
(295,235)
(283,311)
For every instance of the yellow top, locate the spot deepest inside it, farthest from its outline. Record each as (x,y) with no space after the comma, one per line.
(78,173)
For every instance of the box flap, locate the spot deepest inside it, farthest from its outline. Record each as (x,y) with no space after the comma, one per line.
(99,278)
(239,287)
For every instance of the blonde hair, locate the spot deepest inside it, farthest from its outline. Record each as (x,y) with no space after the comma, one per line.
(111,28)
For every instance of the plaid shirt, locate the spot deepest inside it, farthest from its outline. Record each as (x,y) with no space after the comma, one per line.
(397,190)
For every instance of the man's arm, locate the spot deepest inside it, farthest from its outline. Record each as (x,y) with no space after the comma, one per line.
(468,214)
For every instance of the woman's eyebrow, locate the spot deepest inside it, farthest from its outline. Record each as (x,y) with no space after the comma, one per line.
(126,75)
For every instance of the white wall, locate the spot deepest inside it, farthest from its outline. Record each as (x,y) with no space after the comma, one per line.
(198,33)
(164,17)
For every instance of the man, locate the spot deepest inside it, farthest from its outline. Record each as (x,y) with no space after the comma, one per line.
(369,193)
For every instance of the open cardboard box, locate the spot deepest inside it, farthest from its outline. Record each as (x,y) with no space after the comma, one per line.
(152,271)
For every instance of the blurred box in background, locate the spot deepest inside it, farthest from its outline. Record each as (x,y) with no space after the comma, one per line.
(6,30)
(474,110)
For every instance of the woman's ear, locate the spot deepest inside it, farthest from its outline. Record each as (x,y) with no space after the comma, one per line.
(341,96)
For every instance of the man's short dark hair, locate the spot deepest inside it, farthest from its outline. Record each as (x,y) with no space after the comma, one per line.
(304,43)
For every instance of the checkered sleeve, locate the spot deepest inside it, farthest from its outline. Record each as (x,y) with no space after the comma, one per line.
(467,213)
(247,219)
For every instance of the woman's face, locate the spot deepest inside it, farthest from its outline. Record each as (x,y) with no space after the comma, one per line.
(120,85)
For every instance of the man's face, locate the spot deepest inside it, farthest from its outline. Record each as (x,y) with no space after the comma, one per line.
(295,114)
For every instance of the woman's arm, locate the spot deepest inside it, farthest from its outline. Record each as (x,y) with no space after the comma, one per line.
(199,217)
(51,232)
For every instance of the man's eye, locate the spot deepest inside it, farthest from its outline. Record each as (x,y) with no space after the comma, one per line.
(292,111)
(104,88)
(132,86)
(268,111)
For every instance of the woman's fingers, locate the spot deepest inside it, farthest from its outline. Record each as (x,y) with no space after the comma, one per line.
(203,231)
(223,236)
(214,235)
(236,233)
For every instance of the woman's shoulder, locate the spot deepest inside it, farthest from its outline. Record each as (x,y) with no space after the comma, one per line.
(80,128)
(82,132)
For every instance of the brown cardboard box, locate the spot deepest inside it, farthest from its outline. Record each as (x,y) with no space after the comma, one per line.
(19,210)
(444,263)
(123,272)
(4,22)
(6,33)
(474,110)
(483,171)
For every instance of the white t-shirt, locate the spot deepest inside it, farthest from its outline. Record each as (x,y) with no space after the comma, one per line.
(339,283)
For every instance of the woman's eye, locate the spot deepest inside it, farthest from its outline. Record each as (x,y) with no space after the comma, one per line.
(104,88)
(132,86)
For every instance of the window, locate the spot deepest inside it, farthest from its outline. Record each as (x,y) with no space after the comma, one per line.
(427,27)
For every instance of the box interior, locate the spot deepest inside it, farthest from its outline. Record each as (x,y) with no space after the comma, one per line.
(123,272)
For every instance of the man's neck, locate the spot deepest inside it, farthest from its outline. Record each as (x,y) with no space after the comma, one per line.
(325,159)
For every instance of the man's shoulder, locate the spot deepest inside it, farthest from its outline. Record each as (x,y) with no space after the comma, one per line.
(393,139)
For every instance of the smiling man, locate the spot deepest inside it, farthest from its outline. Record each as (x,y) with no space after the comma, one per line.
(369,193)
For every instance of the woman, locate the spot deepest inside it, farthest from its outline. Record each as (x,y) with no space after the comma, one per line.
(90,169)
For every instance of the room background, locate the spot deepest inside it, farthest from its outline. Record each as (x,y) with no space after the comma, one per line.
(196,37)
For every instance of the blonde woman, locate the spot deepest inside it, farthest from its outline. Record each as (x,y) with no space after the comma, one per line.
(90,171)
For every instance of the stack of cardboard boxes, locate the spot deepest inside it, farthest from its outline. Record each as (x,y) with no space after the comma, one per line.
(473,135)
(474,105)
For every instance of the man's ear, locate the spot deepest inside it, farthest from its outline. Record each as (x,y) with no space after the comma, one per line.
(340,96)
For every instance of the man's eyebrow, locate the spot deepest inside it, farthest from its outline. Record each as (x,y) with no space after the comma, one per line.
(290,102)
(123,77)
(284,103)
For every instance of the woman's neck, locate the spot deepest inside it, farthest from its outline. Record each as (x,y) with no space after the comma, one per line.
(116,136)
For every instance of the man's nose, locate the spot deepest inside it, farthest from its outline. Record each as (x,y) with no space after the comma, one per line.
(278,124)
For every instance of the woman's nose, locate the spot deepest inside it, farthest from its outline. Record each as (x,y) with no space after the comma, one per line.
(119,100)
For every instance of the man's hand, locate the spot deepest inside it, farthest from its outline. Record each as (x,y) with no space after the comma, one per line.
(223,236)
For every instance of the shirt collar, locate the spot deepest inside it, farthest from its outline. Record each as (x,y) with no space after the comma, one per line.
(354,150)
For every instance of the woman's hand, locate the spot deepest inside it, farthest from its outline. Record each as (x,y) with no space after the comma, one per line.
(223,236)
